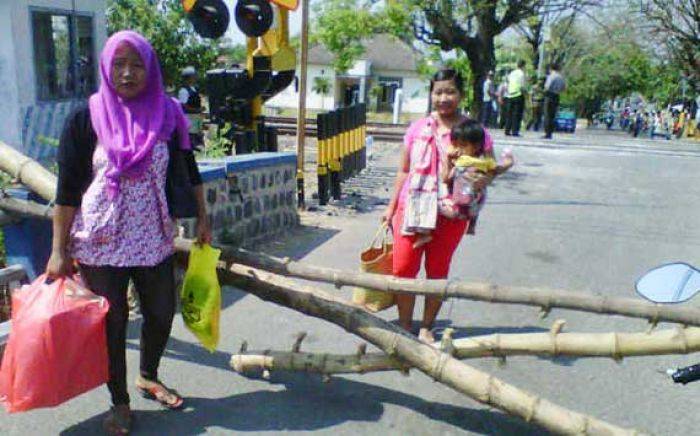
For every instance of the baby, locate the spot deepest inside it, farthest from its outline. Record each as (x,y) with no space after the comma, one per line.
(465,161)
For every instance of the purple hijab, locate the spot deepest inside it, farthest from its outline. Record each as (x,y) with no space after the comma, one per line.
(129,129)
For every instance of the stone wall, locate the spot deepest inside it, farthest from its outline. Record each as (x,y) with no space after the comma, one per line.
(249,197)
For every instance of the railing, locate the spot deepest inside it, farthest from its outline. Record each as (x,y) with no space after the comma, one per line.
(10,278)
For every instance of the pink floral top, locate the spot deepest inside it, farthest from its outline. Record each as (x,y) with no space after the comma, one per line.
(133,229)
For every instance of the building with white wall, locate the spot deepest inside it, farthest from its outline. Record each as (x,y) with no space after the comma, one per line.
(49,51)
(387,65)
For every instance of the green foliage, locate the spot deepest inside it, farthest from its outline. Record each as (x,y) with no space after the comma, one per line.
(341,26)
(218,146)
(606,68)
(164,24)
(321,86)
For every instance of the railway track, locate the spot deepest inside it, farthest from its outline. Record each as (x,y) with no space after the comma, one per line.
(380,131)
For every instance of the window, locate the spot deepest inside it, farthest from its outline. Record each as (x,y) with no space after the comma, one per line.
(63,55)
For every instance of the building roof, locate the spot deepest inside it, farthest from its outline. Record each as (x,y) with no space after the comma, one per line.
(384,51)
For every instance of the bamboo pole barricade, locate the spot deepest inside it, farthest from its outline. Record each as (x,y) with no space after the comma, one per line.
(395,342)
(262,275)
(551,344)
(546,299)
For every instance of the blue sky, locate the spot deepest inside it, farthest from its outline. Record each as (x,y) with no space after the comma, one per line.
(237,36)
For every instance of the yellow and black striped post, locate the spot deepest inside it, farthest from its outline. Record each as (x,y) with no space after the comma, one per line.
(335,162)
(363,135)
(323,158)
(344,143)
(355,139)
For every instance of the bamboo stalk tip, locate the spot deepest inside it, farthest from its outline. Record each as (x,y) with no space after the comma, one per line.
(557,326)
(325,378)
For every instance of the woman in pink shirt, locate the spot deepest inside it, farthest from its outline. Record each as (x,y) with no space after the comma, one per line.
(113,216)
(416,195)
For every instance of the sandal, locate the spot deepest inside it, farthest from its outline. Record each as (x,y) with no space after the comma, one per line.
(118,422)
(160,393)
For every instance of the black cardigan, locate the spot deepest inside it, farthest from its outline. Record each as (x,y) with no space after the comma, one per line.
(75,150)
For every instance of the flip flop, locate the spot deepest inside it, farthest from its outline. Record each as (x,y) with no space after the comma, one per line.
(158,392)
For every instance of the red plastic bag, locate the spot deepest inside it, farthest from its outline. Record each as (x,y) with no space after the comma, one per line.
(57,347)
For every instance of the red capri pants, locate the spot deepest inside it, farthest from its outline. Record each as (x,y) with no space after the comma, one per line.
(438,252)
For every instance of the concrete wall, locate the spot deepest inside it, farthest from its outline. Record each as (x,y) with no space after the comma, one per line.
(249,197)
(17,74)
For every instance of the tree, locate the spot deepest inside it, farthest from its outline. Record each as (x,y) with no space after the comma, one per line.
(471,27)
(164,24)
(322,86)
(677,24)
(609,63)
(533,30)
(341,26)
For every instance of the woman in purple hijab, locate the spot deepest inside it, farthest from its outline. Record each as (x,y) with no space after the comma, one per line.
(112,215)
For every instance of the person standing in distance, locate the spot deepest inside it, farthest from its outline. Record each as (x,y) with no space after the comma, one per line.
(487,109)
(553,87)
(516,99)
(191,101)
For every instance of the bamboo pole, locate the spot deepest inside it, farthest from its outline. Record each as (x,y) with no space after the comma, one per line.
(28,171)
(544,298)
(397,343)
(552,344)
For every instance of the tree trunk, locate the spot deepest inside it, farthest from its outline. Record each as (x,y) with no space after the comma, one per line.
(397,343)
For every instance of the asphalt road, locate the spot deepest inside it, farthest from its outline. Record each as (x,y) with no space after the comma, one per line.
(590,212)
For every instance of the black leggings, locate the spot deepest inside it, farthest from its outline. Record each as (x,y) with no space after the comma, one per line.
(156,288)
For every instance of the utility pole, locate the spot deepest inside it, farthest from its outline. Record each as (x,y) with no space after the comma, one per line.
(301,115)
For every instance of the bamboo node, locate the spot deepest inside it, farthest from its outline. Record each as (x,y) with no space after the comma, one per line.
(446,289)
(391,350)
(532,409)
(616,355)
(486,396)
(493,292)
(20,167)
(684,340)
(336,281)
(436,373)
(446,343)
(584,425)
(654,320)
(554,331)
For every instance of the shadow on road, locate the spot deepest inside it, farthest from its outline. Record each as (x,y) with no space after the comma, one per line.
(297,408)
